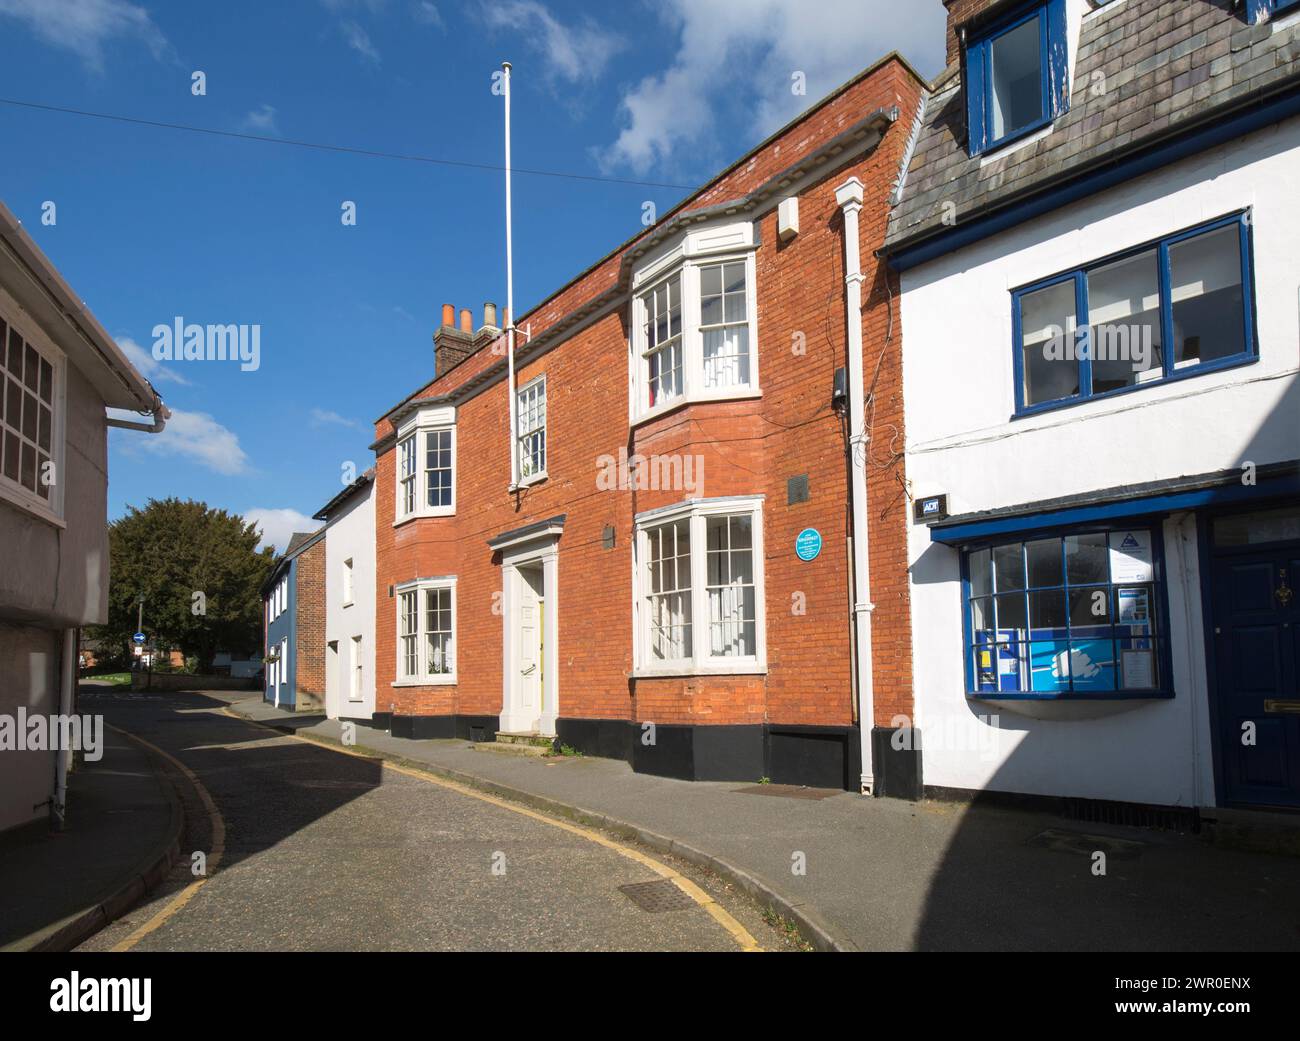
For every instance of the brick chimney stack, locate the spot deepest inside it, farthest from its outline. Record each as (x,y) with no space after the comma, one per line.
(454,340)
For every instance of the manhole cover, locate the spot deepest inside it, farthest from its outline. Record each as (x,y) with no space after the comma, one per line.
(788,791)
(662,895)
(1078,842)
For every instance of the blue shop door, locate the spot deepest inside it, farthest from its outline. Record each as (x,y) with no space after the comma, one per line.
(1257,651)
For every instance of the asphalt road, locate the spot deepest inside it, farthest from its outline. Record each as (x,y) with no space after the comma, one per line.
(327,851)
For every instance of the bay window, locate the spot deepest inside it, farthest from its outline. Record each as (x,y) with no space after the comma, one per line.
(1073,615)
(1171,308)
(426,632)
(694,325)
(426,465)
(700,561)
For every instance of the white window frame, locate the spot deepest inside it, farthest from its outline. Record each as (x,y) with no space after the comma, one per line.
(414,432)
(422,676)
(356,679)
(534,387)
(14,491)
(701,661)
(694,251)
(348,590)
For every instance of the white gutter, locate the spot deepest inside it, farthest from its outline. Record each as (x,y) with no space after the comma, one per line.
(46,277)
(510,295)
(160,416)
(848,197)
(62,756)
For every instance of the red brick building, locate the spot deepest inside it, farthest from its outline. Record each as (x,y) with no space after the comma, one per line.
(682,417)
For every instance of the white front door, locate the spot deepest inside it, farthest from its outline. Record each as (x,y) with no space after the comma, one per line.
(530,685)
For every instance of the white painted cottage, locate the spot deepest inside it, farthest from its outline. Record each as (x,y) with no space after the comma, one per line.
(1096,235)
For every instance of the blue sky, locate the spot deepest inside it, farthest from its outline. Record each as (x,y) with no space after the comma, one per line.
(156,223)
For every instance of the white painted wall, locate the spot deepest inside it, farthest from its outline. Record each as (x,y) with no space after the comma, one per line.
(350,535)
(959,397)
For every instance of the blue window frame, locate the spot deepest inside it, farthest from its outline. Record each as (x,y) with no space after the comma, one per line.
(1017,75)
(1258,10)
(1167,309)
(1075,614)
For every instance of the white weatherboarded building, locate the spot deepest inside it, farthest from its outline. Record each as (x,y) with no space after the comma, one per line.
(1101,335)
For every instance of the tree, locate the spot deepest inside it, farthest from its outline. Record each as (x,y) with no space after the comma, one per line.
(200,573)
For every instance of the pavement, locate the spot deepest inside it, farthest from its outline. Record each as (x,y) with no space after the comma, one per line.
(857,873)
(326,851)
(121,838)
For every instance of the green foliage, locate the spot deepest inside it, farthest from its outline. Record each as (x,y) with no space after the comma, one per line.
(168,552)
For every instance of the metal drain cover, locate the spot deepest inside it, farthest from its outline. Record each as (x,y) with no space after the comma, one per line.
(1078,842)
(662,895)
(789,791)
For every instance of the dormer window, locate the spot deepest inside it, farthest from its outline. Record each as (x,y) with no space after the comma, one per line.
(1017,78)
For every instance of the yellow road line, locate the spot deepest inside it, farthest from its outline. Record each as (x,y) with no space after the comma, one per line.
(218,824)
(743,938)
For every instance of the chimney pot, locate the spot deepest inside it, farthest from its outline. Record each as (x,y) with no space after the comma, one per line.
(505,318)
(448,314)
(466,320)
(490,314)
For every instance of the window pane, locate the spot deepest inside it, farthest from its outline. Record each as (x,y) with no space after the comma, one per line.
(668,603)
(1048,321)
(32,370)
(981,614)
(1047,614)
(1016,79)
(1139,664)
(730,571)
(726,356)
(1086,558)
(1049,662)
(1012,613)
(978,569)
(15,354)
(1044,562)
(1089,608)
(1205,282)
(1124,317)
(1092,664)
(1008,567)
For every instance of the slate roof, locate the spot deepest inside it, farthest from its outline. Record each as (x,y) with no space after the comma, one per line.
(1168,66)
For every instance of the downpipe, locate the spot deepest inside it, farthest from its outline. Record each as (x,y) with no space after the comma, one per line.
(848,197)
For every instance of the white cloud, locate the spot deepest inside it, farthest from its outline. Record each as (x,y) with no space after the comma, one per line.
(327,417)
(147,365)
(261,121)
(359,40)
(734,66)
(574,53)
(278,525)
(197,437)
(428,14)
(85,26)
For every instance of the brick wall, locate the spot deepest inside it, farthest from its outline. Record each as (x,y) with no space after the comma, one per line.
(960,11)
(309,620)
(748,447)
